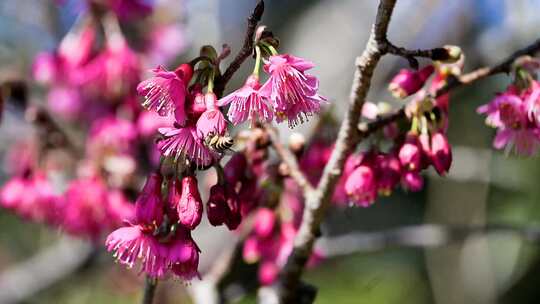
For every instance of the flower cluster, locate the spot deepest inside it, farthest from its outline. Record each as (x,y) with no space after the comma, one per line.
(515,115)
(159,236)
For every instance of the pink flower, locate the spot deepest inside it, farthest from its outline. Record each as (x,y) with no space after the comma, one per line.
(166,42)
(111,135)
(361,186)
(268,273)
(441,153)
(190,206)
(251,251)
(211,121)
(184,143)
(523,141)
(532,101)
(265,220)
(183,256)
(248,103)
(131,244)
(149,204)
(408,82)
(115,71)
(45,68)
(65,101)
(165,93)
(292,91)
(85,209)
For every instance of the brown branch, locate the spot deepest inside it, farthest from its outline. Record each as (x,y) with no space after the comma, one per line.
(245,51)
(318,200)
(410,55)
(289,159)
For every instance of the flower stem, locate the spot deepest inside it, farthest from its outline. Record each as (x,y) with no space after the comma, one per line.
(257,61)
(149,290)
(210,87)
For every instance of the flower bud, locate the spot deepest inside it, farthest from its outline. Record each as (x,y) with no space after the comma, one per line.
(388,173)
(361,186)
(190,207)
(441,153)
(410,155)
(149,205)
(408,82)
(216,207)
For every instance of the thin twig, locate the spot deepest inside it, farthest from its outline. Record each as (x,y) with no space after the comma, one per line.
(149,290)
(289,159)
(245,51)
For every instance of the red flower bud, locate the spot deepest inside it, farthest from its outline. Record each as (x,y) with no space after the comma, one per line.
(441,153)
(190,207)
(149,205)
(408,82)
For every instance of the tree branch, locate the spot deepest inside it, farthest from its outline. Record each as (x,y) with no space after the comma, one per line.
(466,79)
(245,51)
(317,201)
(290,160)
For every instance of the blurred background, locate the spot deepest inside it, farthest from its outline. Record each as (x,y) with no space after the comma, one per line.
(484,187)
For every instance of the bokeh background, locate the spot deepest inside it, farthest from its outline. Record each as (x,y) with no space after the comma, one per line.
(484,187)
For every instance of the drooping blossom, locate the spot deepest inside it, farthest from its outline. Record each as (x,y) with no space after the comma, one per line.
(516,128)
(248,103)
(144,242)
(165,92)
(211,121)
(292,91)
(387,172)
(410,154)
(185,143)
(441,153)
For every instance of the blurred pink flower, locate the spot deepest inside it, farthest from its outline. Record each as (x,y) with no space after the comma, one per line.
(408,82)
(149,204)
